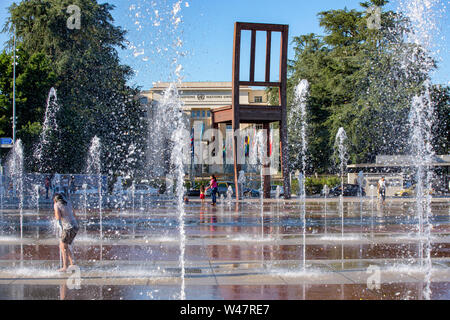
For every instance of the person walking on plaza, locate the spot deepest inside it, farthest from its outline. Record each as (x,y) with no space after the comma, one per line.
(72,187)
(65,185)
(55,183)
(67,221)
(47,186)
(381,187)
(213,187)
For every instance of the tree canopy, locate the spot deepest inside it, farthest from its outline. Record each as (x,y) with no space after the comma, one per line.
(84,66)
(361,80)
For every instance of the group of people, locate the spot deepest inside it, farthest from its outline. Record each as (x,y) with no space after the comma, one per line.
(214,190)
(67,185)
(67,221)
(66,218)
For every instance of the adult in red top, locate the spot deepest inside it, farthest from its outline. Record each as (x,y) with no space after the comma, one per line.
(213,187)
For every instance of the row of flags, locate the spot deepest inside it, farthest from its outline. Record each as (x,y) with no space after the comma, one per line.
(248,141)
(202,130)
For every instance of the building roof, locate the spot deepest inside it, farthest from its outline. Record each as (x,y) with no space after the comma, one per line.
(394,165)
(396,161)
(204,85)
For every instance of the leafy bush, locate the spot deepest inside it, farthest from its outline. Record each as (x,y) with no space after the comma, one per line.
(315,185)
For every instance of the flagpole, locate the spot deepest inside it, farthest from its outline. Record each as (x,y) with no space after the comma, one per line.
(192,157)
(14,88)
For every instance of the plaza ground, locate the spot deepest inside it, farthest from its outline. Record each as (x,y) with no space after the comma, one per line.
(236,251)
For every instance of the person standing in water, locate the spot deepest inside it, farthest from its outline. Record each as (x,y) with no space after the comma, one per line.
(382,189)
(66,219)
(213,187)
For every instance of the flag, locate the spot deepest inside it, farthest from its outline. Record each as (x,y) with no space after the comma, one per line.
(247,146)
(192,140)
(224,150)
(202,130)
(270,142)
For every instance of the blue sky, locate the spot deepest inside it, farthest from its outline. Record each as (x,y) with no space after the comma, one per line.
(206,31)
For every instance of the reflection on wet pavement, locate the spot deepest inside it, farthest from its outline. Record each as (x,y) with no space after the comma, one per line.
(232,252)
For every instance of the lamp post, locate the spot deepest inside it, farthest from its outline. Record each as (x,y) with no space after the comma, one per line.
(14,88)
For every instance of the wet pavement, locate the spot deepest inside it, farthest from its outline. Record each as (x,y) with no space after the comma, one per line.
(232,251)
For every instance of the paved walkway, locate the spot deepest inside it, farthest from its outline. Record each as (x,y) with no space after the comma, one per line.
(232,256)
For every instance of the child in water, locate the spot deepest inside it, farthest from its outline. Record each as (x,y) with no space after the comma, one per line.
(202,194)
(67,219)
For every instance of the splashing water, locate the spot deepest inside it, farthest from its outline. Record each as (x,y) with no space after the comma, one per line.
(159,27)
(171,102)
(298,123)
(168,125)
(341,148)
(15,170)
(325,191)
(241,180)
(48,145)
(301,95)
(261,146)
(229,196)
(298,119)
(277,193)
(261,154)
(94,167)
(340,145)
(423,16)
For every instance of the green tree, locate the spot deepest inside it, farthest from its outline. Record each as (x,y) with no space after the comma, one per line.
(34,78)
(360,80)
(91,82)
(441,131)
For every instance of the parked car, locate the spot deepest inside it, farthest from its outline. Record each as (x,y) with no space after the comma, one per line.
(411,191)
(350,190)
(146,190)
(253,193)
(142,189)
(82,191)
(273,191)
(194,191)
